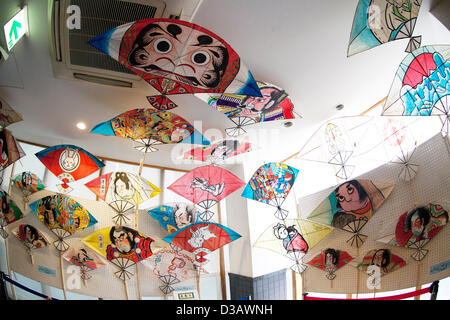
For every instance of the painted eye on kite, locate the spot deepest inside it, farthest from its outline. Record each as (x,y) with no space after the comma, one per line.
(162,45)
(200,58)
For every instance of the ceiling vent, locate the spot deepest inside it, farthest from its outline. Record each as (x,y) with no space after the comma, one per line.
(72,56)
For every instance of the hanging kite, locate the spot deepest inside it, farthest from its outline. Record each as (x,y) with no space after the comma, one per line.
(69,163)
(84,258)
(149,127)
(172,267)
(421,86)
(9,212)
(122,191)
(330,260)
(202,238)
(293,239)
(380,21)
(174,216)
(271,184)
(245,110)
(122,246)
(28,183)
(30,237)
(205,186)
(10,150)
(7,114)
(416,228)
(63,216)
(382,258)
(350,206)
(218,151)
(177,57)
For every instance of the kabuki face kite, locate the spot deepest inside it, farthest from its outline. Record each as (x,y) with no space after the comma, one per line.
(380,21)
(84,258)
(174,216)
(122,246)
(330,260)
(271,184)
(202,238)
(9,212)
(218,151)
(417,227)
(177,57)
(63,216)
(383,259)
(30,237)
(421,86)
(122,191)
(28,183)
(350,206)
(149,127)
(69,163)
(10,150)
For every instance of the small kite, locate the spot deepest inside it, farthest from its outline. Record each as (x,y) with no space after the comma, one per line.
(28,183)
(330,260)
(205,186)
(350,206)
(421,86)
(122,191)
(172,267)
(7,114)
(84,258)
(122,246)
(292,238)
(69,163)
(218,151)
(382,259)
(177,57)
(174,216)
(10,150)
(9,212)
(416,228)
(63,216)
(246,110)
(202,238)
(271,184)
(380,21)
(148,127)
(30,237)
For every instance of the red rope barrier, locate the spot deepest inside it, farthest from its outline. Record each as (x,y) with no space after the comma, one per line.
(396,297)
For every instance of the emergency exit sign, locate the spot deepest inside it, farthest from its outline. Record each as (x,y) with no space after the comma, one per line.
(16,28)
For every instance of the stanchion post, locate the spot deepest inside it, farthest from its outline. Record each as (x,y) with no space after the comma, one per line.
(3,290)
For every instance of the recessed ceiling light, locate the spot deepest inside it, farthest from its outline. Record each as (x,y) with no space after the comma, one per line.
(288,124)
(81,125)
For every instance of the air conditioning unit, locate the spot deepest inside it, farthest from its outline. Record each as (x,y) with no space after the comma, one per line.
(73,58)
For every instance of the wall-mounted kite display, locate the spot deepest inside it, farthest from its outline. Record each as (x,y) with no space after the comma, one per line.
(293,239)
(417,227)
(122,191)
(218,151)
(63,216)
(149,127)
(245,110)
(28,183)
(271,184)
(350,206)
(380,21)
(30,237)
(202,238)
(69,163)
(84,258)
(421,86)
(205,186)
(177,57)
(172,267)
(330,260)
(9,212)
(382,258)
(174,216)
(10,150)
(7,114)
(122,246)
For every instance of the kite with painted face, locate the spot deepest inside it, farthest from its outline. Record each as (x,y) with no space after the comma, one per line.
(9,212)
(330,260)
(177,57)
(382,258)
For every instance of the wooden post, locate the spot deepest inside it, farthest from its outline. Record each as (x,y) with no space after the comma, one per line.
(223,282)
(62,274)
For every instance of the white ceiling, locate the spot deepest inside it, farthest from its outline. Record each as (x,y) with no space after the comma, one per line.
(299,45)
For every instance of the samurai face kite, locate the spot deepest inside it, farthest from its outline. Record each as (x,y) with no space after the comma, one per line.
(180,53)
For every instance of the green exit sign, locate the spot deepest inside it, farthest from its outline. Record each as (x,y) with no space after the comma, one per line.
(16,28)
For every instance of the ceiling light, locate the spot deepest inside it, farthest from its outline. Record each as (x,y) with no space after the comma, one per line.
(288,124)
(81,125)
(339,107)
